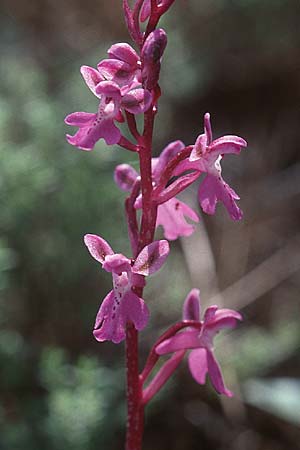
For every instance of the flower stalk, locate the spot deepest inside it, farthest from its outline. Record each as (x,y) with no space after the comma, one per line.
(126,84)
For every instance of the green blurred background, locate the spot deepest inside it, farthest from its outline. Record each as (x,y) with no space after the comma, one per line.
(60,389)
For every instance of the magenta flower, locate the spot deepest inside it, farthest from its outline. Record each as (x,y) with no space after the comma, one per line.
(115,83)
(206,157)
(172,214)
(123,66)
(122,305)
(201,359)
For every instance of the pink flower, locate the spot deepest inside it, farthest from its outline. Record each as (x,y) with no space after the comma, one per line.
(115,83)
(201,359)
(172,214)
(206,157)
(122,305)
(123,66)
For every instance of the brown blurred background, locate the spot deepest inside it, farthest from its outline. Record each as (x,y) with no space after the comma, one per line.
(60,389)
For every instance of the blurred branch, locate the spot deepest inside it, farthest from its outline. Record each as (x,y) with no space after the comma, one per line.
(280,266)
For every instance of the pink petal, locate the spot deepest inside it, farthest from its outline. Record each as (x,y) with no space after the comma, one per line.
(106,326)
(79,119)
(97,247)
(214,189)
(189,212)
(199,148)
(198,364)
(106,129)
(181,341)
(166,155)
(125,176)
(200,165)
(115,70)
(210,313)
(92,77)
(110,89)
(151,258)
(124,52)
(77,138)
(137,101)
(135,310)
(89,133)
(179,185)
(223,318)
(191,306)
(114,313)
(227,144)
(171,215)
(116,263)
(227,313)
(109,132)
(215,375)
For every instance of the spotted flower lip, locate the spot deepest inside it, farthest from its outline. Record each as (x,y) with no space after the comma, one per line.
(201,359)
(93,127)
(122,305)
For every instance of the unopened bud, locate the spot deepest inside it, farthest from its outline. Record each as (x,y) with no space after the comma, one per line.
(152,52)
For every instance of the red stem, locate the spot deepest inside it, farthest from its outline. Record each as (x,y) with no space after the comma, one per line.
(132,223)
(125,143)
(135,409)
(131,122)
(149,213)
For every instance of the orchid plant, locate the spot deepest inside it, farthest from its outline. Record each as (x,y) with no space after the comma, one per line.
(126,85)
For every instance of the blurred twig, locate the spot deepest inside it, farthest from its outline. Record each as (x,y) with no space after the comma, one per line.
(280,266)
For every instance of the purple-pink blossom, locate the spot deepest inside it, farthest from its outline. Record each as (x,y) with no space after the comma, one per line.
(116,83)
(122,305)
(206,158)
(200,340)
(171,214)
